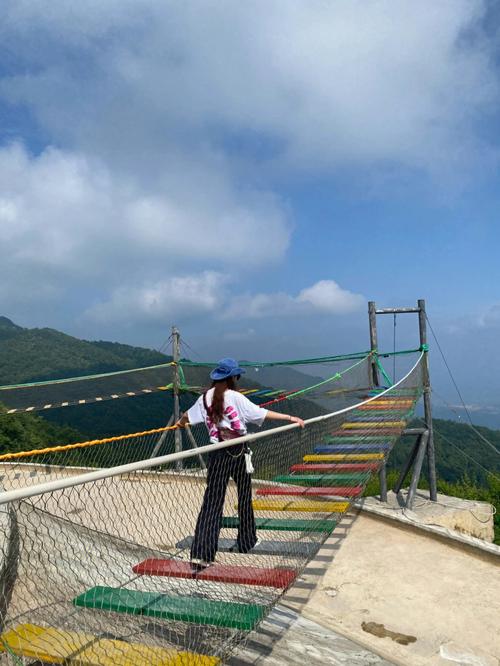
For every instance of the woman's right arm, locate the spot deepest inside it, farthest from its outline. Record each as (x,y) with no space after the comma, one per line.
(284,417)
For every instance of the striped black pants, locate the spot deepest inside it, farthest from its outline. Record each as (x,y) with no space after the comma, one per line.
(223,466)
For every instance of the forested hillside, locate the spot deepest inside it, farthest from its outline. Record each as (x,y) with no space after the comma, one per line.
(36,354)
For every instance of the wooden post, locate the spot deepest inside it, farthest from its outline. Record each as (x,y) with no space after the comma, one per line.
(176,355)
(372,318)
(431,456)
(407,466)
(195,446)
(163,437)
(422,447)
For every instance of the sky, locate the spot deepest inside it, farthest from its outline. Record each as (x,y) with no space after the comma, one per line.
(254,173)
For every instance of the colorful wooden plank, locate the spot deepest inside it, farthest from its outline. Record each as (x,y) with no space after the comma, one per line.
(339,491)
(320,479)
(300,505)
(58,646)
(372,424)
(217,573)
(334,467)
(352,448)
(182,609)
(271,547)
(339,457)
(367,432)
(346,437)
(285,524)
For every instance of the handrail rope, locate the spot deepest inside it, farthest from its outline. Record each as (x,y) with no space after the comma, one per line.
(80,445)
(67,380)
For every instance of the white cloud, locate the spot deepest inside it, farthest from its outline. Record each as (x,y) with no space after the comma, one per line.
(326,296)
(171,123)
(208,293)
(490,317)
(324,84)
(174,297)
(70,222)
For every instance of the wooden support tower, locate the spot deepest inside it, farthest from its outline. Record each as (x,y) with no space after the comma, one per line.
(425,438)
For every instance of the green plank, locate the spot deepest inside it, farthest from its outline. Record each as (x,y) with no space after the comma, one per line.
(320,479)
(329,439)
(285,525)
(182,609)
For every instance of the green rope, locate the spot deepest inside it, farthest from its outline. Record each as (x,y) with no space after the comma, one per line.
(382,370)
(182,378)
(270,364)
(49,382)
(303,361)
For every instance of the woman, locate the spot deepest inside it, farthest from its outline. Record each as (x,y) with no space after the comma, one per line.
(226,413)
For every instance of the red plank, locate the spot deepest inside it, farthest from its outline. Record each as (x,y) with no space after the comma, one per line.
(334,467)
(345,491)
(217,573)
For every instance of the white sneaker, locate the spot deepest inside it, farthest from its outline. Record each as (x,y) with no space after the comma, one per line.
(199,564)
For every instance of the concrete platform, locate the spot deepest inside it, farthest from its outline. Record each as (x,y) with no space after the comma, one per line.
(408,595)
(285,637)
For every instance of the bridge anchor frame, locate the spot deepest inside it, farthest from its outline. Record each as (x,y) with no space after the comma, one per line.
(424,445)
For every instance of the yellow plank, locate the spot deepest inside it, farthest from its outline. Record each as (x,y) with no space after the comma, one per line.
(299,505)
(340,457)
(53,645)
(372,424)
(44,644)
(106,652)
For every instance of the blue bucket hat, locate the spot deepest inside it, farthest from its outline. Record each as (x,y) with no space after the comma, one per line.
(227,367)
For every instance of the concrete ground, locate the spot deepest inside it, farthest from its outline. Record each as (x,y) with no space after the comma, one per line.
(414,599)
(285,637)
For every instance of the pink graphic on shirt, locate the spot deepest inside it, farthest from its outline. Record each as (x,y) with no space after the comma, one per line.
(231,415)
(233,419)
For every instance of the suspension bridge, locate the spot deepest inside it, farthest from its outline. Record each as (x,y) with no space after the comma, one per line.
(96,563)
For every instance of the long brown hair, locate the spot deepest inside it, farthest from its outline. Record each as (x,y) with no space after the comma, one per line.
(217,407)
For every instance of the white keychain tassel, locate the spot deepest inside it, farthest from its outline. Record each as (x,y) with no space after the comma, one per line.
(248,462)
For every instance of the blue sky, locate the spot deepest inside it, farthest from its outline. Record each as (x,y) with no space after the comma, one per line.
(254,174)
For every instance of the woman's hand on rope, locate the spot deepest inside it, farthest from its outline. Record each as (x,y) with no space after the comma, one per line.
(296,419)
(184,420)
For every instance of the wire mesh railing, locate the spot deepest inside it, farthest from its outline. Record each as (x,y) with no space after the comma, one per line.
(96,564)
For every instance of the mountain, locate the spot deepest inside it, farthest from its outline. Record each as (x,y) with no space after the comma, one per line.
(37,354)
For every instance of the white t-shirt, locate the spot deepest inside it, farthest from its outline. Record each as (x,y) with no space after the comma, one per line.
(238,411)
